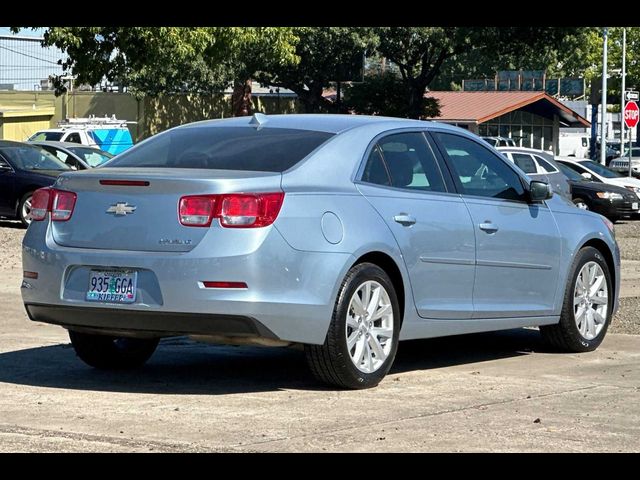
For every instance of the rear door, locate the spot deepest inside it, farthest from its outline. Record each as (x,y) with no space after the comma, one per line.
(403,180)
(517,243)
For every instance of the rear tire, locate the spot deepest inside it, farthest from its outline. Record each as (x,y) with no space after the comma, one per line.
(587,309)
(362,340)
(112,353)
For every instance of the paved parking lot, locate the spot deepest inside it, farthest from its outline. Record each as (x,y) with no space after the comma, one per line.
(488,392)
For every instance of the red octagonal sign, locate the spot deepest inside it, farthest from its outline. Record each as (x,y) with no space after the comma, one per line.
(631,114)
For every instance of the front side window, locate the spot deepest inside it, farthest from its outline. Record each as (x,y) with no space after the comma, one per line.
(46,137)
(600,169)
(581,171)
(480,172)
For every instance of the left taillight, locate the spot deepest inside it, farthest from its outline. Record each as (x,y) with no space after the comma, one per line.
(59,202)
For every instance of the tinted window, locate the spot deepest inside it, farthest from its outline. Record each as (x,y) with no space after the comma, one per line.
(570,174)
(223,148)
(546,166)
(32,158)
(580,170)
(525,162)
(600,169)
(375,171)
(411,163)
(91,156)
(73,138)
(481,172)
(46,136)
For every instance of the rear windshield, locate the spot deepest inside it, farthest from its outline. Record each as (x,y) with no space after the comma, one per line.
(46,137)
(92,156)
(224,148)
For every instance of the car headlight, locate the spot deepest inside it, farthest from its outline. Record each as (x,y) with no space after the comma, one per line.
(635,190)
(609,225)
(609,195)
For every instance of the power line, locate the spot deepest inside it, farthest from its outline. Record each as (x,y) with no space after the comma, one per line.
(30,56)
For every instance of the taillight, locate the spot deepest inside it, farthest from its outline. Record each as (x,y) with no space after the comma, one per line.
(235,210)
(41,203)
(197,210)
(59,202)
(62,205)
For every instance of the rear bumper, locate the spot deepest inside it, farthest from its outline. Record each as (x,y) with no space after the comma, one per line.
(148,323)
(290,294)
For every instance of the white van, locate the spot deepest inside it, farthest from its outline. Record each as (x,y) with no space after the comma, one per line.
(574,145)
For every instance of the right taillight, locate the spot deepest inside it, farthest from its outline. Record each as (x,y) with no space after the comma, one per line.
(59,202)
(235,210)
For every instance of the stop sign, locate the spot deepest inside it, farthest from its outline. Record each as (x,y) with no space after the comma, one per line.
(631,114)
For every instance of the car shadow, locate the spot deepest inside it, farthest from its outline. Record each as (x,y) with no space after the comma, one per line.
(181,366)
(6,223)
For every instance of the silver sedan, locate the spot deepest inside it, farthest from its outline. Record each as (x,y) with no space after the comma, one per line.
(342,233)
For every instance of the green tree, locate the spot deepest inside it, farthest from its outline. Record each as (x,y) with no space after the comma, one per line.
(322,51)
(154,60)
(421,53)
(384,93)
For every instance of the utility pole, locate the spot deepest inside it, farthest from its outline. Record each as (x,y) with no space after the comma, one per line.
(603,108)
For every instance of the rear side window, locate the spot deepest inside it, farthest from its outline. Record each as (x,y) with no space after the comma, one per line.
(223,148)
(525,162)
(73,138)
(375,170)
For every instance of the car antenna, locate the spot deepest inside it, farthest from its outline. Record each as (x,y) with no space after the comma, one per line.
(258,120)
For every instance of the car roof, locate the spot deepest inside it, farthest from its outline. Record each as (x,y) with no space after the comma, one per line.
(61,144)
(330,123)
(12,143)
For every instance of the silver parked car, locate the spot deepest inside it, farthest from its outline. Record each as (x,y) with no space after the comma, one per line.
(539,165)
(343,233)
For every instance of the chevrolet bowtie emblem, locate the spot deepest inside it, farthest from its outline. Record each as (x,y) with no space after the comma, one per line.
(121,209)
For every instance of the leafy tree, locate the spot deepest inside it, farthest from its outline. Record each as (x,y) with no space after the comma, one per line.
(420,53)
(321,50)
(154,60)
(383,93)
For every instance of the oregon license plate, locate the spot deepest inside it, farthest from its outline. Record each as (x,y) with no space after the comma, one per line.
(634,206)
(113,286)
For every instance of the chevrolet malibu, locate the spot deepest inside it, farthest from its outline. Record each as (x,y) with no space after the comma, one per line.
(344,234)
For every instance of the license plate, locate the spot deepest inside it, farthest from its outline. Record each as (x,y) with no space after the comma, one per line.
(634,206)
(112,286)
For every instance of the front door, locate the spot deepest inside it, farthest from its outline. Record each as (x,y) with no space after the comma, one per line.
(7,175)
(403,181)
(517,243)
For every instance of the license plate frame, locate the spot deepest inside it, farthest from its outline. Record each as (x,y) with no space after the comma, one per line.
(117,286)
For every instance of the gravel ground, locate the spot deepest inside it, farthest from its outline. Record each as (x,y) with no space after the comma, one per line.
(627,319)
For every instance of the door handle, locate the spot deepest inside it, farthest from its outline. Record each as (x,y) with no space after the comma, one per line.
(404,219)
(488,227)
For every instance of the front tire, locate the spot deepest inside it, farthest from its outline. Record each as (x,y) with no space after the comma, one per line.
(112,353)
(588,304)
(362,340)
(24,209)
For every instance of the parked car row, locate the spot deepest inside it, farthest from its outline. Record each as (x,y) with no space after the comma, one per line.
(27,166)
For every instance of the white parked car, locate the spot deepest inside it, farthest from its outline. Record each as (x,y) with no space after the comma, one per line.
(621,164)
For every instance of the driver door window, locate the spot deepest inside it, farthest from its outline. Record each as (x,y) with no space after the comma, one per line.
(480,172)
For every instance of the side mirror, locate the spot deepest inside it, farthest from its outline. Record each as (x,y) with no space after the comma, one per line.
(539,191)
(587,175)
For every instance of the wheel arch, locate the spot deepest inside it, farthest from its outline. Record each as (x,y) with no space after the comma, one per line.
(606,252)
(391,268)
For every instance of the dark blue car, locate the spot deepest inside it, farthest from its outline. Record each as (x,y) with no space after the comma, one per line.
(23,169)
